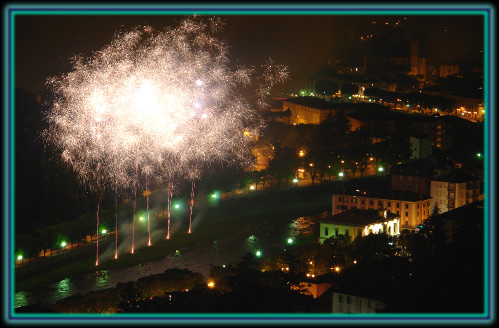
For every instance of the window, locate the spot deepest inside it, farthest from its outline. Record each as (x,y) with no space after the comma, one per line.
(347,233)
(380,203)
(363,202)
(388,204)
(340,308)
(336,231)
(398,212)
(326,231)
(398,205)
(340,199)
(409,186)
(340,298)
(349,300)
(406,206)
(418,205)
(406,214)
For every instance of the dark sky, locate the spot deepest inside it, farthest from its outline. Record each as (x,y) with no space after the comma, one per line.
(303,43)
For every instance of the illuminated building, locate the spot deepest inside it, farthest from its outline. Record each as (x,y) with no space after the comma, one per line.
(359,222)
(411,207)
(347,303)
(453,190)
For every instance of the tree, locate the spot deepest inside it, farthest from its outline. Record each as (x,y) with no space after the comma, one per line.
(435,211)
(326,88)
(348,89)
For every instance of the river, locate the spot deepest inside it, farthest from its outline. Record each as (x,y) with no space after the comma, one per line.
(198,258)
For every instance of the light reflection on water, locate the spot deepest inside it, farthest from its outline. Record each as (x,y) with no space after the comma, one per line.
(21,299)
(268,235)
(64,288)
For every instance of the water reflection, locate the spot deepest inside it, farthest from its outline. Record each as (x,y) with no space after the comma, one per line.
(21,299)
(63,288)
(268,237)
(101,278)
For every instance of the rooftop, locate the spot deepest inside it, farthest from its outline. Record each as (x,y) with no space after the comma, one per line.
(359,217)
(455,176)
(399,195)
(319,103)
(421,167)
(371,115)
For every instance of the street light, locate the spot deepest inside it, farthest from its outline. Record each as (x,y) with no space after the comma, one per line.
(63,244)
(290,240)
(341,174)
(381,169)
(258,253)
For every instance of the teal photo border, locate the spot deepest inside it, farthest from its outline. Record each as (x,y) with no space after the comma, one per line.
(11,11)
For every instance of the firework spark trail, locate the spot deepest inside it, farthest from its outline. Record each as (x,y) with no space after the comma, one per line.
(97,255)
(134,205)
(116,222)
(166,98)
(191,205)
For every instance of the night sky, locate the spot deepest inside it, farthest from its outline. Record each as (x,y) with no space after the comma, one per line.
(303,43)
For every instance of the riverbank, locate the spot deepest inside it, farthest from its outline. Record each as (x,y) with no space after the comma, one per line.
(235,217)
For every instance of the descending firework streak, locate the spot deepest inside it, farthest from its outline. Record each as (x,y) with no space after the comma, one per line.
(162,99)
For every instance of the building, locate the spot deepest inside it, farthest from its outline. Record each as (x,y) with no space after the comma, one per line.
(462,220)
(453,190)
(372,121)
(277,116)
(312,288)
(308,110)
(411,207)
(420,146)
(358,222)
(413,176)
(448,70)
(438,129)
(312,110)
(347,303)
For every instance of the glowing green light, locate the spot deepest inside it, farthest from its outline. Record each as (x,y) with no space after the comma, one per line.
(479,154)
(252,187)
(63,244)
(295,180)
(381,169)
(214,196)
(290,240)
(258,253)
(20,257)
(177,205)
(141,218)
(104,231)
(341,174)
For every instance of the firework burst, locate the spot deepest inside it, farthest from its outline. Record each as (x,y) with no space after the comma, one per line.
(154,103)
